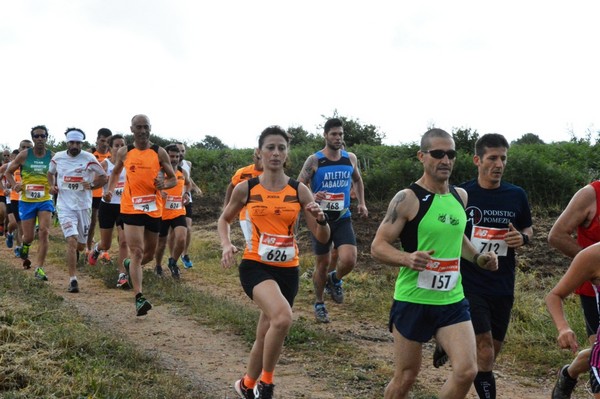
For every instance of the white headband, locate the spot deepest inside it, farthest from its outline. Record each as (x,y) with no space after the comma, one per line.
(74,135)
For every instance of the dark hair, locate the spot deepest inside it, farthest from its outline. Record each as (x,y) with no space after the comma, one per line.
(331,123)
(41,127)
(490,140)
(15,152)
(172,148)
(104,132)
(271,131)
(431,133)
(115,137)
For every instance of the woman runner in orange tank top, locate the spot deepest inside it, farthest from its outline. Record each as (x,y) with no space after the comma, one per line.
(270,265)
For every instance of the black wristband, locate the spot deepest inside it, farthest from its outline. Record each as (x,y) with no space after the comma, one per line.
(324,221)
(525,238)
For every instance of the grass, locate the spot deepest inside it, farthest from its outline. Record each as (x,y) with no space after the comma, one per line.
(50,351)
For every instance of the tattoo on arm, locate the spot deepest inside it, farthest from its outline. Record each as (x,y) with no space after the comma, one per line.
(392,213)
(308,169)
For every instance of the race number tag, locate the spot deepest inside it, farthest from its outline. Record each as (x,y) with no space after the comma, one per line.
(35,191)
(439,275)
(119,189)
(145,203)
(276,248)
(173,202)
(489,239)
(333,202)
(74,183)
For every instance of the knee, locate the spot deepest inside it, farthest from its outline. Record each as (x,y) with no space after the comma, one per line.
(466,374)
(400,385)
(136,252)
(282,322)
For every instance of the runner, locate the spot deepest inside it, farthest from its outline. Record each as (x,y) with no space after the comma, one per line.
(15,229)
(584,267)
(331,173)
(173,218)
(576,228)
(73,174)
(141,208)
(194,189)
(247,172)
(109,216)
(101,151)
(429,219)
(35,201)
(270,265)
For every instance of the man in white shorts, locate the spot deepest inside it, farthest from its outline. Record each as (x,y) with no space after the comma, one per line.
(73,174)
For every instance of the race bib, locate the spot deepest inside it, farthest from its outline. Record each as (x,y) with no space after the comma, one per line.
(119,189)
(276,248)
(489,239)
(173,202)
(145,203)
(74,183)
(439,275)
(35,191)
(332,202)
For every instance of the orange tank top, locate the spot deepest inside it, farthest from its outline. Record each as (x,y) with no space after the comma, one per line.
(140,196)
(14,195)
(173,202)
(273,217)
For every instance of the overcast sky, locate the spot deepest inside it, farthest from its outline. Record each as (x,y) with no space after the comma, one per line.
(231,68)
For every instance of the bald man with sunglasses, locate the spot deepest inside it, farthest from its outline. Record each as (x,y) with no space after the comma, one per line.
(429,219)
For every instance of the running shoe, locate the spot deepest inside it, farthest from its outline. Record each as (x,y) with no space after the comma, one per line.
(26,264)
(17,252)
(240,388)
(187,262)
(337,292)
(40,274)
(263,391)
(9,240)
(564,384)
(321,313)
(73,287)
(2,230)
(105,256)
(158,270)
(142,306)
(24,254)
(439,356)
(92,256)
(123,281)
(174,268)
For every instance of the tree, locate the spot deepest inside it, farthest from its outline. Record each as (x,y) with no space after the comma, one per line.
(211,143)
(464,140)
(357,133)
(299,136)
(529,138)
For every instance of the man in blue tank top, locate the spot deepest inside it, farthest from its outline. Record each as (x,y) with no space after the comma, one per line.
(331,173)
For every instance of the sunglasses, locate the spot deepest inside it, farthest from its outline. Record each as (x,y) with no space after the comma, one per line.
(37,136)
(439,154)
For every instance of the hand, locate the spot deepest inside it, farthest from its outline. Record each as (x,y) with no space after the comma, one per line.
(107,196)
(362,211)
(315,210)
(228,256)
(567,340)
(513,238)
(53,189)
(488,261)
(319,196)
(420,259)
(18,187)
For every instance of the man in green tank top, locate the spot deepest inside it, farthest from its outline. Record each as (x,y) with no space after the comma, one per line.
(35,201)
(429,218)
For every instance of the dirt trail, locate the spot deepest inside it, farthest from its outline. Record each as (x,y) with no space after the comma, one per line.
(211,360)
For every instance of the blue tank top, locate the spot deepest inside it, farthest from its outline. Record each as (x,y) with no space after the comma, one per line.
(334,178)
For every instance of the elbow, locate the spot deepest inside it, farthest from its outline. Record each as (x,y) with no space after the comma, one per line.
(375,250)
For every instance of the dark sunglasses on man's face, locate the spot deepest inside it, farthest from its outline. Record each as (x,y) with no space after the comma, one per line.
(37,136)
(439,154)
